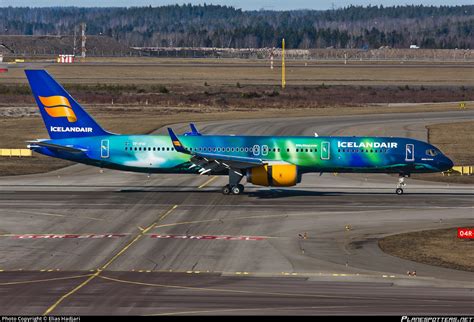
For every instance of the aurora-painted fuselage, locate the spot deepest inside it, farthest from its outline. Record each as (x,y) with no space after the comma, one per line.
(277,161)
(155,154)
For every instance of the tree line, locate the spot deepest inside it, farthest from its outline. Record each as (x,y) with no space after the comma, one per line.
(224,26)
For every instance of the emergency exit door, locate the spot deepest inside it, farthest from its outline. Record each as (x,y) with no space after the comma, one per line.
(104,149)
(325,152)
(410,152)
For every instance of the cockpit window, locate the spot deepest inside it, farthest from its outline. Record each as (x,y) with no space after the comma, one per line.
(432,152)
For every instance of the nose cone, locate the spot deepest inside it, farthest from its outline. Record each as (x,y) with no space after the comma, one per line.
(445,164)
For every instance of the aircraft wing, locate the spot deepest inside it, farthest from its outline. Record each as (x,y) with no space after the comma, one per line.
(57,147)
(208,161)
(212,161)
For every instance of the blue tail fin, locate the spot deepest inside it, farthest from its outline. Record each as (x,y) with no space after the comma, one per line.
(62,115)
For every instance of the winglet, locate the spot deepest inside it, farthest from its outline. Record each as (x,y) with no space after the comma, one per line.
(194,130)
(176,142)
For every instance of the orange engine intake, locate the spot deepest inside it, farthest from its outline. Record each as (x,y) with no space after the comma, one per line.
(279,175)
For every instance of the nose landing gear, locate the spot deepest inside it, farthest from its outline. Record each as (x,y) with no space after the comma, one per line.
(401,184)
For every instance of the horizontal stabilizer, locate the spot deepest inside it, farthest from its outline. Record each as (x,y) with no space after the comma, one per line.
(56,147)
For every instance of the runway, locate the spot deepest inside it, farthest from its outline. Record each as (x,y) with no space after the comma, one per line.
(76,241)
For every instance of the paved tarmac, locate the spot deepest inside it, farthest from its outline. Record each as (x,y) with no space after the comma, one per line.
(77,241)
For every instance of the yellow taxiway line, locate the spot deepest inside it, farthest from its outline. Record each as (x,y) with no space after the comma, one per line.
(44,280)
(207,182)
(109,262)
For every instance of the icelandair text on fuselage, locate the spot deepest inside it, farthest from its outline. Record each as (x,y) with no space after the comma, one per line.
(41,319)
(365,145)
(70,129)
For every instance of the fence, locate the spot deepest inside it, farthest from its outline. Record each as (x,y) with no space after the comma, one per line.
(16,153)
(461,169)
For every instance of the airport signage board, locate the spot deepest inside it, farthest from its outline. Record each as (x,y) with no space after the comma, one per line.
(67,236)
(208,237)
(466,233)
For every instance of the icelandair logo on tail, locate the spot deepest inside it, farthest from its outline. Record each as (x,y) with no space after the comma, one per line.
(58,106)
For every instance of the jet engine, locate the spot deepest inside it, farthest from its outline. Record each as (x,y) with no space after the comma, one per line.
(277,175)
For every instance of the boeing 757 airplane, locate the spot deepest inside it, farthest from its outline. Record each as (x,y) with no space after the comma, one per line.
(275,161)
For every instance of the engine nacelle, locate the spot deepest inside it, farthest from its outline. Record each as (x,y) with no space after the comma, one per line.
(278,175)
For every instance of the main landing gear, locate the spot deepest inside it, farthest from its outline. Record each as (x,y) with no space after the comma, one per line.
(235,190)
(401,184)
(234,187)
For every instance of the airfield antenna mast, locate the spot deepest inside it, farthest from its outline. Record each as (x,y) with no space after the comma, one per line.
(283,80)
(271,60)
(83,42)
(74,43)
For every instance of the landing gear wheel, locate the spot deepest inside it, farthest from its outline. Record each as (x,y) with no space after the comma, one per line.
(401,183)
(226,189)
(236,189)
(241,187)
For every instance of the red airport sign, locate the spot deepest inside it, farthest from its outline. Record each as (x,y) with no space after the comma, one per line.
(105,236)
(67,236)
(465,233)
(207,237)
